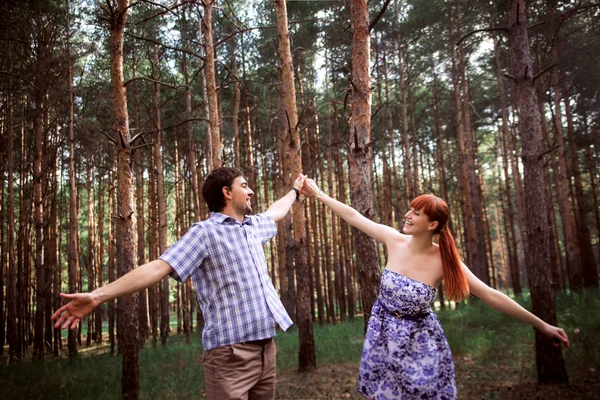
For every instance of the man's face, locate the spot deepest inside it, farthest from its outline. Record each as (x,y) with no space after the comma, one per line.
(241,195)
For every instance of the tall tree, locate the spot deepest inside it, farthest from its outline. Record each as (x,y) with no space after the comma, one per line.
(117,11)
(361,154)
(211,85)
(549,361)
(306,354)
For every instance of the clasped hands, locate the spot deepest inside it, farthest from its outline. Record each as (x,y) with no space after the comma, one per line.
(309,187)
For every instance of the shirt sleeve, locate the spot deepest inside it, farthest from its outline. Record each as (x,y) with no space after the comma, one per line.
(265,226)
(187,254)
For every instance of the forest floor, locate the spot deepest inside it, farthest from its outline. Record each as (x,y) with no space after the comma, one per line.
(339,382)
(493,354)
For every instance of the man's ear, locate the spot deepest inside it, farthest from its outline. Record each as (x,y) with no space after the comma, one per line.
(226,192)
(433,225)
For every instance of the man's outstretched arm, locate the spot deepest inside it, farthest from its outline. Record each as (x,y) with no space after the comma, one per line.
(83,304)
(281,207)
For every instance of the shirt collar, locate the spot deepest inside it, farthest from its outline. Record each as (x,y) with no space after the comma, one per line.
(220,218)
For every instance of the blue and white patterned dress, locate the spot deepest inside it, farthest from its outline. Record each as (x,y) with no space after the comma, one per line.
(405,355)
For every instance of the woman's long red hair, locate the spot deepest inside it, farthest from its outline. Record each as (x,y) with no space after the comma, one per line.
(455,280)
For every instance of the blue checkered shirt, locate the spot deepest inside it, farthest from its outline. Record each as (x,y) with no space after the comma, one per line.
(226,261)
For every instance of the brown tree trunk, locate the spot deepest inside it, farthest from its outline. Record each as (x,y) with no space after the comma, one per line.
(73,213)
(562,186)
(100,258)
(588,266)
(361,156)
(3,250)
(126,236)
(38,183)
(191,155)
(162,206)
(90,250)
(285,241)
(550,364)
(408,189)
(111,260)
(211,84)
(22,273)
(594,189)
(463,177)
(510,233)
(12,332)
(236,112)
(249,164)
(306,356)
(473,199)
(140,201)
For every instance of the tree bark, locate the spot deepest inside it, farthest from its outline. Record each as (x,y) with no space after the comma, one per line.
(562,187)
(550,364)
(38,182)
(90,250)
(588,266)
(162,205)
(126,235)
(306,356)
(211,84)
(361,155)
(12,333)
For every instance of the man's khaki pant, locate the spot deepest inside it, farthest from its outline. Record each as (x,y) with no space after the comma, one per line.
(241,371)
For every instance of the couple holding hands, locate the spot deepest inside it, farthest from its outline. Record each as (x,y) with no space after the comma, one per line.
(405,353)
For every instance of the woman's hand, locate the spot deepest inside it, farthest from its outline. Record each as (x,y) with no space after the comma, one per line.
(557,333)
(310,188)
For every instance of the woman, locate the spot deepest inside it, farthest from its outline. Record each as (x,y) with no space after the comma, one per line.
(406,354)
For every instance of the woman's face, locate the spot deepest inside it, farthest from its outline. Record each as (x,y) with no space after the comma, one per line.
(417,221)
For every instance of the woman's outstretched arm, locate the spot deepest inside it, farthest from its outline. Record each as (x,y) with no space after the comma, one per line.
(379,232)
(505,304)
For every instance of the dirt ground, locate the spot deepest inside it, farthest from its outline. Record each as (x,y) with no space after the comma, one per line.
(339,382)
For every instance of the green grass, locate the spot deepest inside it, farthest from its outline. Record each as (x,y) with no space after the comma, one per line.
(489,349)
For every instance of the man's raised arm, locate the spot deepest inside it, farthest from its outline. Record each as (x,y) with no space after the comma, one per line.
(281,207)
(83,304)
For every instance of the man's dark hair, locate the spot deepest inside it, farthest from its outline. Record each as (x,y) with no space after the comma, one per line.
(213,185)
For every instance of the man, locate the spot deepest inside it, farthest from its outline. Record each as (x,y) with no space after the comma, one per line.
(225,258)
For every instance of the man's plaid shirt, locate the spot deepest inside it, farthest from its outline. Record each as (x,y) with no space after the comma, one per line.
(226,261)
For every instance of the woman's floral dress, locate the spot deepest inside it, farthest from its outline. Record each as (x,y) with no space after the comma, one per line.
(405,355)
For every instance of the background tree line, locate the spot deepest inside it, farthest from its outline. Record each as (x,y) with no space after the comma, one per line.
(113,112)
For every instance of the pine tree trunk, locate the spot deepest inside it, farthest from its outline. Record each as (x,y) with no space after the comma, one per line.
(162,206)
(361,156)
(236,112)
(22,273)
(126,235)
(90,250)
(3,250)
(191,155)
(286,266)
(562,188)
(594,189)
(306,357)
(140,201)
(550,364)
(38,183)
(588,266)
(12,332)
(211,84)
(111,262)
(100,260)
(51,244)
(510,214)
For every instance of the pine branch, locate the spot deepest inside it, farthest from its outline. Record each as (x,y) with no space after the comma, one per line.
(378,17)
(498,28)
